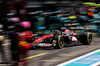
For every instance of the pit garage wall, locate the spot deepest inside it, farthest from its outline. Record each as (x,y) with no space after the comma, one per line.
(18,8)
(14,7)
(52,25)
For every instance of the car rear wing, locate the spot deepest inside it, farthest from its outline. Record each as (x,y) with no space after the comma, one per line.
(77,28)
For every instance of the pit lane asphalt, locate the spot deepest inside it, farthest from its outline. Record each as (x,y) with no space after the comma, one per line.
(45,57)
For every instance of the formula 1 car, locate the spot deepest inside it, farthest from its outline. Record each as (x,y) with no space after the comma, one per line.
(58,39)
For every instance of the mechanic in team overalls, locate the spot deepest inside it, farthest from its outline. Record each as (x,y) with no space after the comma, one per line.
(20,43)
(3,57)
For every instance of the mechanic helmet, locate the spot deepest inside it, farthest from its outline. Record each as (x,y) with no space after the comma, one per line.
(62,28)
(25,24)
(14,19)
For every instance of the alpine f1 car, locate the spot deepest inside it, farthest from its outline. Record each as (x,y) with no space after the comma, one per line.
(62,37)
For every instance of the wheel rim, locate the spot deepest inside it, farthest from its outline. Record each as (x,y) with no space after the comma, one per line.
(61,42)
(90,38)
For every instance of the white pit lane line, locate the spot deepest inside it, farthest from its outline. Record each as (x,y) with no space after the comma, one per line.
(96,64)
(83,56)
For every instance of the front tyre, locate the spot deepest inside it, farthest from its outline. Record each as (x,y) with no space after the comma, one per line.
(59,41)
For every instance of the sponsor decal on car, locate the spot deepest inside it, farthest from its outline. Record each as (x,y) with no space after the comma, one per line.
(44,44)
(77,28)
(74,39)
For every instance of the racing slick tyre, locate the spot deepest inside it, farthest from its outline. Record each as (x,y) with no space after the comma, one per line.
(59,41)
(86,38)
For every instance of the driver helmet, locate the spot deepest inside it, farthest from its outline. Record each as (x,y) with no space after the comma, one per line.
(25,24)
(62,28)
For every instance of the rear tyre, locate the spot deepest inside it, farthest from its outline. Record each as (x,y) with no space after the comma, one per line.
(86,38)
(59,41)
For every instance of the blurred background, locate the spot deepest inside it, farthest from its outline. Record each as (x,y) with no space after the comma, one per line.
(47,15)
